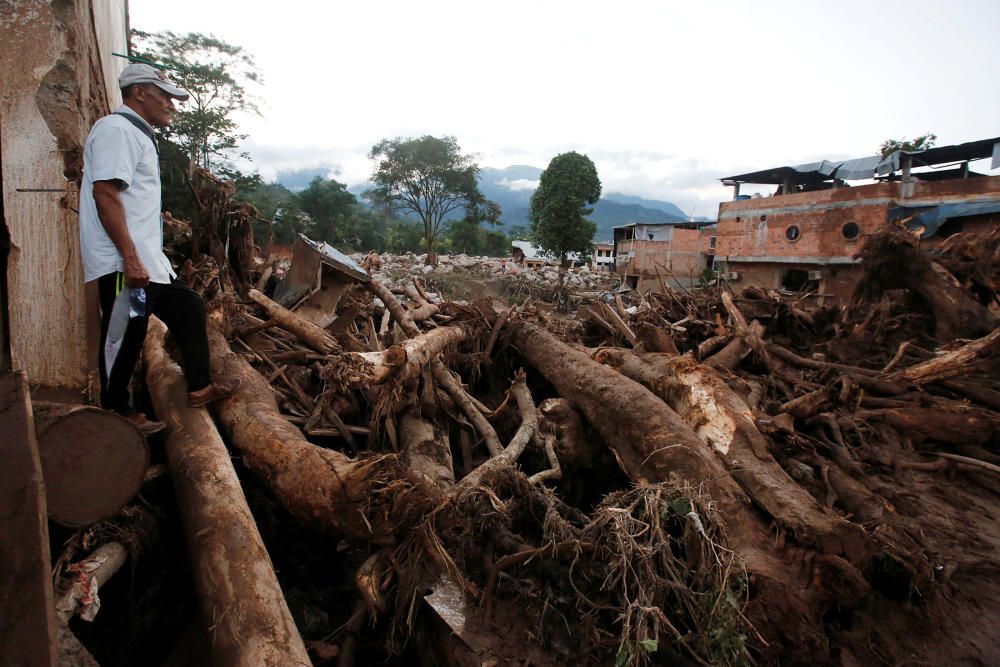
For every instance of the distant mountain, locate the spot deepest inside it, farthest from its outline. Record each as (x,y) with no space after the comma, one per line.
(664,206)
(512,187)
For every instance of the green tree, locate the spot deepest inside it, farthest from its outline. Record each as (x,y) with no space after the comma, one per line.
(216,74)
(428,177)
(560,204)
(332,208)
(281,219)
(923,142)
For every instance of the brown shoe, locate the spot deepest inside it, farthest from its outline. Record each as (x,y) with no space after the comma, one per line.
(213,392)
(146,426)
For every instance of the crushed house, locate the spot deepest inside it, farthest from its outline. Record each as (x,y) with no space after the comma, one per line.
(648,255)
(804,236)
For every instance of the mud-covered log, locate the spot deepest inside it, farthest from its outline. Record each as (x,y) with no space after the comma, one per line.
(653,444)
(395,309)
(736,350)
(310,334)
(893,260)
(408,358)
(425,450)
(242,606)
(93,461)
(724,421)
(950,364)
(319,486)
(571,448)
(955,427)
(655,339)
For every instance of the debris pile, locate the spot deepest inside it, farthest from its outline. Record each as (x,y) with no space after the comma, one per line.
(398,269)
(696,478)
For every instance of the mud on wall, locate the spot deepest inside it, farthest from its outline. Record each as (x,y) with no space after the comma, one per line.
(55,60)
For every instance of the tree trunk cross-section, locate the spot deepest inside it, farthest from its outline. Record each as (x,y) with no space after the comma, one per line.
(94,461)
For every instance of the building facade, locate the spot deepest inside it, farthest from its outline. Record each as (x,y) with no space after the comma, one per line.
(650,255)
(804,237)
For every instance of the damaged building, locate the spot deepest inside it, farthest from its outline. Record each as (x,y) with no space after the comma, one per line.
(647,254)
(804,237)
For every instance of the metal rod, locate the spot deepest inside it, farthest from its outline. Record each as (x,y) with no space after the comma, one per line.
(148,62)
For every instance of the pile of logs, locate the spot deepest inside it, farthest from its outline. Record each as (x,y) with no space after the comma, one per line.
(714,478)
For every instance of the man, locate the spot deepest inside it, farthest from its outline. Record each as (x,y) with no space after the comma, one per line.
(121,236)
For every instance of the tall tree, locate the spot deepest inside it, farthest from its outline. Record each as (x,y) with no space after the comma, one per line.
(216,74)
(923,142)
(331,208)
(429,177)
(560,204)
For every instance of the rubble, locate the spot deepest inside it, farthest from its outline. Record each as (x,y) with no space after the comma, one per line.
(396,271)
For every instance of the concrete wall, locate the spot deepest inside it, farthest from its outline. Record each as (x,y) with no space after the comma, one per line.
(53,65)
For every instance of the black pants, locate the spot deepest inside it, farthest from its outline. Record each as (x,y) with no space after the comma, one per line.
(180,308)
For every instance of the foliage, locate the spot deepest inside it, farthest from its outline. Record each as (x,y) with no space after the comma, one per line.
(923,142)
(470,237)
(429,177)
(280,213)
(215,73)
(560,205)
(174,181)
(331,207)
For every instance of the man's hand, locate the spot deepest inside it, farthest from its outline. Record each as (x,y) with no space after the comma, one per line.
(136,274)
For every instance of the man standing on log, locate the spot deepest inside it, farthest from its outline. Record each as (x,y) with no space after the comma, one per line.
(121,236)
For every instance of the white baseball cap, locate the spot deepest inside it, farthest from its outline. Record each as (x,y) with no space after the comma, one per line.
(142,73)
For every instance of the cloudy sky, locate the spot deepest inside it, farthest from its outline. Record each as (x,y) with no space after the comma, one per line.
(665,97)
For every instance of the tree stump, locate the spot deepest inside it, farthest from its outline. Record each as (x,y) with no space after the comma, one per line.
(93,461)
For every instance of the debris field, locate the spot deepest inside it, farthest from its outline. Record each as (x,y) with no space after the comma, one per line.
(677,477)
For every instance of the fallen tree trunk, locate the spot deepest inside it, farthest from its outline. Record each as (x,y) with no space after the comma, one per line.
(953,427)
(653,444)
(735,351)
(951,364)
(93,461)
(408,358)
(426,451)
(242,606)
(320,486)
(310,334)
(724,421)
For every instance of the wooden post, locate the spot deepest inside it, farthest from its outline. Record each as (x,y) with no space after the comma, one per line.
(27,612)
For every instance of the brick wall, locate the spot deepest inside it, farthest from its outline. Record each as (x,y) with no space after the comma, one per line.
(754,239)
